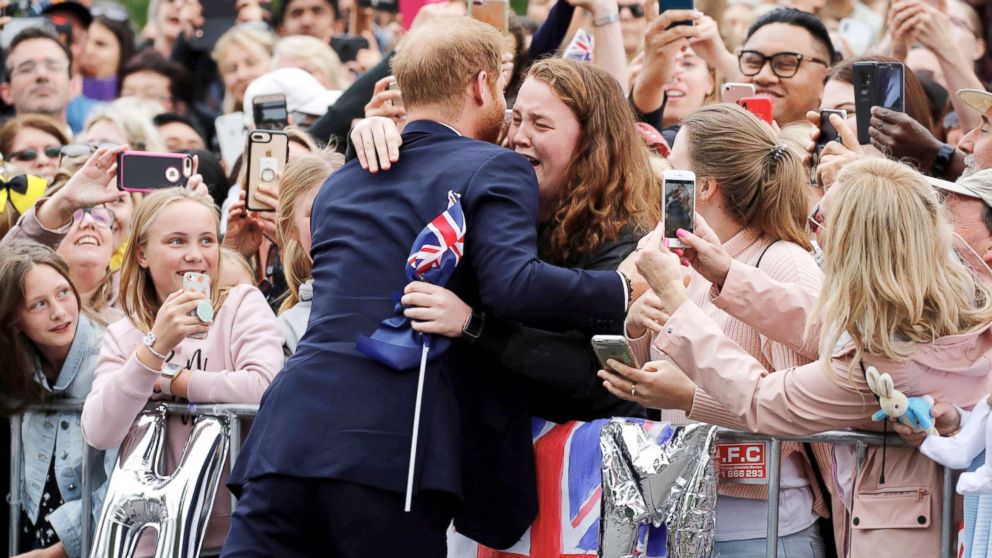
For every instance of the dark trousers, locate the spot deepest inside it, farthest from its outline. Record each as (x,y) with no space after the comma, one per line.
(289,517)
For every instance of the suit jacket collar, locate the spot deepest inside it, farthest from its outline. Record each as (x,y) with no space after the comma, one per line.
(429,127)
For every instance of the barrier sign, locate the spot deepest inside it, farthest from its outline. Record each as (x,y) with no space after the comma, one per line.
(742,463)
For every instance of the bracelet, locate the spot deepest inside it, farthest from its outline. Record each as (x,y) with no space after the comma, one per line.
(629,289)
(606,20)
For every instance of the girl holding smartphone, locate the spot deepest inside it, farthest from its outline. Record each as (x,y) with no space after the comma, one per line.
(153,354)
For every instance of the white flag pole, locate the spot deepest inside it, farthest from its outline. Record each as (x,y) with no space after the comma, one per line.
(416,426)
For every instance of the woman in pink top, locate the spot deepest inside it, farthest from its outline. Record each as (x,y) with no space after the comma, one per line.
(151,354)
(893,298)
(753,192)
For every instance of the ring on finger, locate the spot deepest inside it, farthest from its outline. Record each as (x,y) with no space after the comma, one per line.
(633,389)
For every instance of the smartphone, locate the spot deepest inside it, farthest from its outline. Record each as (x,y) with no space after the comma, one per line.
(733,92)
(266,158)
(230,136)
(198,283)
(859,35)
(614,347)
(493,12)
(144,171)
(676,5)
(269,112)
(760,107)
(680,204)
(877,84)
(218,17)
(827,131)
(347,46)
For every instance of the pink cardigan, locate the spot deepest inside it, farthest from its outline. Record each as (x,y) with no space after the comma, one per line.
(234,364)
(903,515)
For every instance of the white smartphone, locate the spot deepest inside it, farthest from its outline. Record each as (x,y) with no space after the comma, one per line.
(859,35)
(614,347)
(231,133)
(680,204)
(732,92)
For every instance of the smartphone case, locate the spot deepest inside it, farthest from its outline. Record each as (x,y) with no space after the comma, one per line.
(266,161)
(876,84)
(144,171)
(759,106)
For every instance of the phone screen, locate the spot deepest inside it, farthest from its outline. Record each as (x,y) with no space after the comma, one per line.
(270,113)
(827,131)
(664,5)
(679,202)
(890,87)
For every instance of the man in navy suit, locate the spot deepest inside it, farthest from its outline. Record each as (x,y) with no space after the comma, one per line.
(324,468)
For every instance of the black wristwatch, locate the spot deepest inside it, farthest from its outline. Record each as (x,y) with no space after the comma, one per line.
(473,325)
(942,161)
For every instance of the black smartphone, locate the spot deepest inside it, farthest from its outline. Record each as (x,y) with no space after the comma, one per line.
(218,17)
(347,46)
(827,131)
(877,84)
(144,171)
(266,156)
(676,5)
(269,112)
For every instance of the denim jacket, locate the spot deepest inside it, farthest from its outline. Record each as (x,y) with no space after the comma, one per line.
(51,433)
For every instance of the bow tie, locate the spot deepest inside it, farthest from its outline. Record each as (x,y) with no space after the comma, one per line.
(22,191)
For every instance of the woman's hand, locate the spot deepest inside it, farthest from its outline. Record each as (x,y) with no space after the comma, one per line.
(659,385)
(245,231)
(705,253)
(662,270)
(661,44)
(377,142)
(173,323)
(646,313)
(93,184)
(434,309)
(835,156)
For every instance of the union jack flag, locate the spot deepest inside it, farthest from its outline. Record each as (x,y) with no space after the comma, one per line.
(569,490)
(580,49)
(439,247)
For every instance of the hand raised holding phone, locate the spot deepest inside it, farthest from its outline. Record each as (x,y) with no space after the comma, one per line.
(174,321)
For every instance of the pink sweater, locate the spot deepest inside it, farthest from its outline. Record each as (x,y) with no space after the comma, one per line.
(234,364)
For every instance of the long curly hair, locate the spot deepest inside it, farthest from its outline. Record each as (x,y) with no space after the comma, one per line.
(610,185)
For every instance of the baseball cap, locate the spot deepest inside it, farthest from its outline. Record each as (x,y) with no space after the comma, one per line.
(976,99)
(77,9)
(303,92)
(977,185)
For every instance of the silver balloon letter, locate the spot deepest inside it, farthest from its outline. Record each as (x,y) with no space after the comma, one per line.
(177,506)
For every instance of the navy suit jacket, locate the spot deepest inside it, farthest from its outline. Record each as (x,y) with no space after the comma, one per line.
(334,413)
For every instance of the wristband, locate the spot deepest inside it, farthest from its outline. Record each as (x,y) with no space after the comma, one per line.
(606,20)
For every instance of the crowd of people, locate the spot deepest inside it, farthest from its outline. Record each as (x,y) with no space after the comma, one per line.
(536,152)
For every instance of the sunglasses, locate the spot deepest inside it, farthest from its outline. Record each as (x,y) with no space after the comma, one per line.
(636,10)
(814,224)
(101,216)
(27,155)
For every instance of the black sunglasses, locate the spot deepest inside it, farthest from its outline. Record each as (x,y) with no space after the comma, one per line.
(636,10)
(27,155)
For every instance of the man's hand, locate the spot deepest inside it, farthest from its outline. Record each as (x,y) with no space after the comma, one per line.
(899,136)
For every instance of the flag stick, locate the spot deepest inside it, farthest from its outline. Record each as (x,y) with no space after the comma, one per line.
(416,426)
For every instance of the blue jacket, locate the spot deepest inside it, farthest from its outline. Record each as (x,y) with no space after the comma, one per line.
(333,413)
(44,434)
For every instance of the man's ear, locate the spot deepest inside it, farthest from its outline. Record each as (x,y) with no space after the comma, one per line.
(481,91)
(6,94)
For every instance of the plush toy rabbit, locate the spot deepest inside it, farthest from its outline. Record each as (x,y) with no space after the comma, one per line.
(958,451)
(914,412)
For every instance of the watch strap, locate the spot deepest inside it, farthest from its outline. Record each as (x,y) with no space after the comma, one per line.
(168,374)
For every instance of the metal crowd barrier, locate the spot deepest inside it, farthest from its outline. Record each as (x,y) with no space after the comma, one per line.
(860,439)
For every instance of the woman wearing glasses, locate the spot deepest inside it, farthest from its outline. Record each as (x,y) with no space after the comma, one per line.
(31,143)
